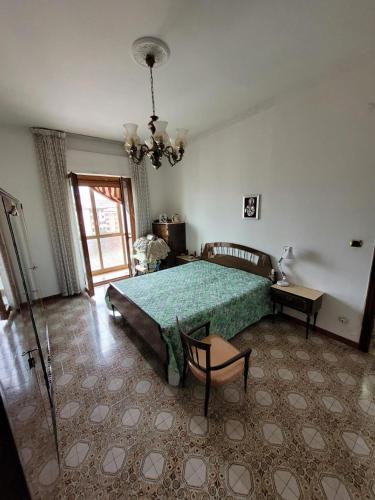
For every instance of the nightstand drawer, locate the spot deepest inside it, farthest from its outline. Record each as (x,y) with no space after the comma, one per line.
(290,300)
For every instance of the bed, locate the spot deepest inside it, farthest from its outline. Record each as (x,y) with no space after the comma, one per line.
(230,286)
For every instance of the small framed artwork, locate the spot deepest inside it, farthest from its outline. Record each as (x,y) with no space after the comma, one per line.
(163,218)
(250,206)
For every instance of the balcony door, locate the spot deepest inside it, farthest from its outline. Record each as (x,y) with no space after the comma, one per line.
(106,219)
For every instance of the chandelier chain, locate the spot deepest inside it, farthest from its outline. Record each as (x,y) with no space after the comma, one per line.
(152,91)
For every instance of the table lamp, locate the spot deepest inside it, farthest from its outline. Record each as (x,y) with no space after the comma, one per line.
(287,254)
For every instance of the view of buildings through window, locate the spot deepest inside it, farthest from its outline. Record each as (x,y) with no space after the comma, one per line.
(104,227)
(107,215)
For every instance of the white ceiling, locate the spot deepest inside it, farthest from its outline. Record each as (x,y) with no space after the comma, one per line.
(66,63)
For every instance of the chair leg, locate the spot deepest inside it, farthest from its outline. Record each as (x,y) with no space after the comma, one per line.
(246,371)
(184,373)
(207,397)
(113,311)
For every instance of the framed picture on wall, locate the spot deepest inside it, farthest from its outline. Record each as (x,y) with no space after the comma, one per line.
(250,206)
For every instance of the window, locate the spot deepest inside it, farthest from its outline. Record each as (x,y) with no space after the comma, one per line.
(108,238)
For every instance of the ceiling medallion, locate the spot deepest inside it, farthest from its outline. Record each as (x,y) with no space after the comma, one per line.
(151,53)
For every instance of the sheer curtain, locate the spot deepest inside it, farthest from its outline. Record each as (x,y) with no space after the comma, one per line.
(77,242)
(142,195)
(51,150)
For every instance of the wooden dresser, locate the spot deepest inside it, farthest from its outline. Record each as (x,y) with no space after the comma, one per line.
(174,234)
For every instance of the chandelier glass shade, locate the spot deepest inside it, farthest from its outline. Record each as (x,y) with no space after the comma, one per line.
(159,144)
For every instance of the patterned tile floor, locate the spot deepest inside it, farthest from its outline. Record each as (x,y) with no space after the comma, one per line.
(304,430)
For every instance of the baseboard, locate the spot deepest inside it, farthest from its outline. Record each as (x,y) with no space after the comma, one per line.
(51,297)
(59,296)
(327,333)
(43,299)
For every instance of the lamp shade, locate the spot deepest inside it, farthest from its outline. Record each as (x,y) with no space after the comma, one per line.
(130,129)
(160,130)
(287,253)
(181,137)
(131,136)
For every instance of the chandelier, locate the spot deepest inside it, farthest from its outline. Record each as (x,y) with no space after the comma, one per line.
(152,52)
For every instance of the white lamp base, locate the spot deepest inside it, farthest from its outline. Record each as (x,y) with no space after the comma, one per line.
(283,283)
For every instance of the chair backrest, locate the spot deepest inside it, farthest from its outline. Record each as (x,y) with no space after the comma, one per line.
(192,346)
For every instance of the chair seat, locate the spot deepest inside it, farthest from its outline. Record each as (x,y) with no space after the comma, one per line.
(221,351)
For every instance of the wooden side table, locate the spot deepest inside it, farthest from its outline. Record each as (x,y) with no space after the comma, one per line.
(300,298)
(185,259)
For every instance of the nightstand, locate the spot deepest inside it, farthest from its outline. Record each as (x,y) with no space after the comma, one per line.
(302,299)
(185,259)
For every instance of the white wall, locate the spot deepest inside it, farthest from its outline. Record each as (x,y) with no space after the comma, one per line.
(312,158)
(93,156)
(19,175)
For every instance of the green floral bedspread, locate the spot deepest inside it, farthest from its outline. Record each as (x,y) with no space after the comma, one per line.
(196,292)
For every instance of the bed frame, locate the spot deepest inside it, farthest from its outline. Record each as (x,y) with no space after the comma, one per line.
(240,257)
(225,254)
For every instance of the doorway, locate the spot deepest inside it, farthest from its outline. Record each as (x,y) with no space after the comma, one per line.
(105,215)
(367,338)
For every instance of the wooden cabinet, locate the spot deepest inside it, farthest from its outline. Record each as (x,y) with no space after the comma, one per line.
(174,234)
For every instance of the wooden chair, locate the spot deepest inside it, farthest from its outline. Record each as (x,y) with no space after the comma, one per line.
(212,360)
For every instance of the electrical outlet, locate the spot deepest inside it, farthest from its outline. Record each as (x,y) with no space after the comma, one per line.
(343,320)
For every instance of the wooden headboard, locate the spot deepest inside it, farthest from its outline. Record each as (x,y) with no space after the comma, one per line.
(239,257)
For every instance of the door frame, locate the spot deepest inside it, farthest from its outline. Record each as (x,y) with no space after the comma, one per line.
(125,185)
(369,312)
(127,196)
